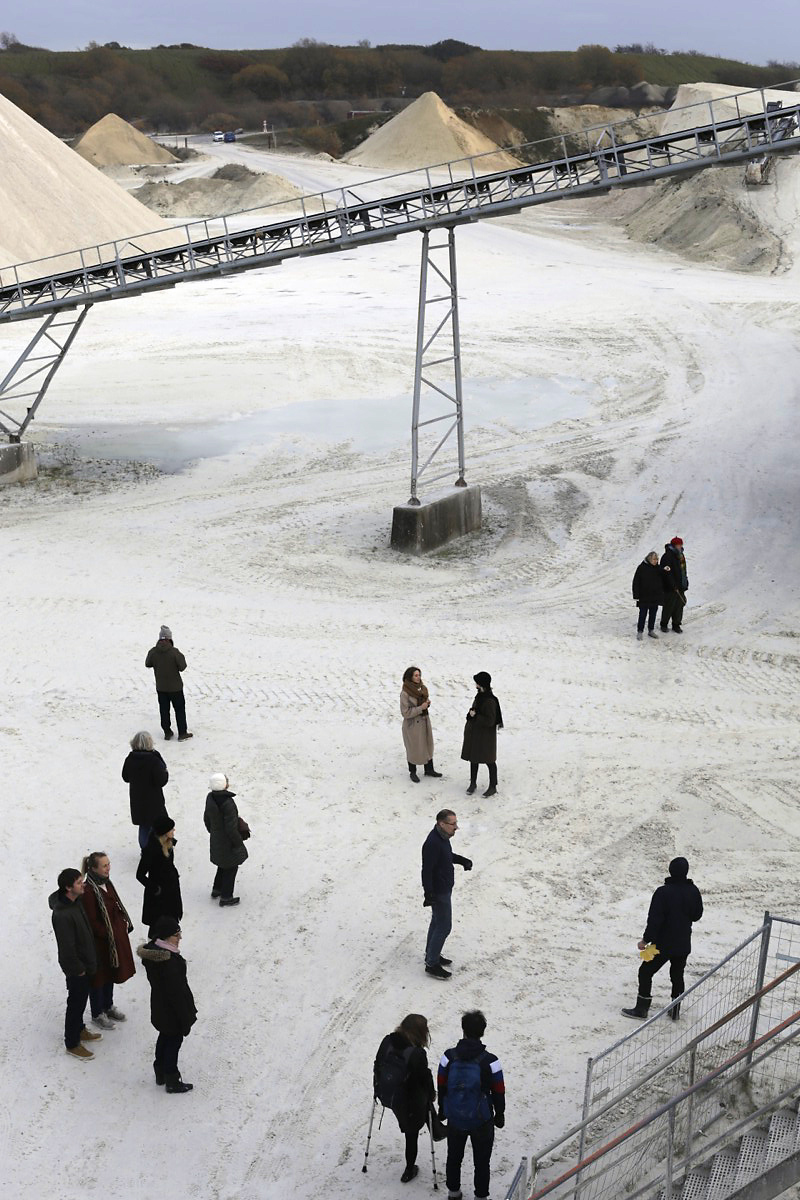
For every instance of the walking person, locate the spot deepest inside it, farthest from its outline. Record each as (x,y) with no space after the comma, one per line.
(77,958)
(227,849)
(172,1007)
(674,908)
(158,874)
(438,878)
(472,1097)
(146,775)
(674,558)
(402,1081)
(480,734)
(167,663)
(110,926)
(649,589)
(417,733)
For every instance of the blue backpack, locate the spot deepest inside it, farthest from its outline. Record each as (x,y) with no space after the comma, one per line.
(466,1104)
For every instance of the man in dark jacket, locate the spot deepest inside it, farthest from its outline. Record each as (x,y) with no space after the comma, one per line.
(77,958)
(673,909)
(438,878)
(472,1097)
(676,582)
(167,663)
(172,1007)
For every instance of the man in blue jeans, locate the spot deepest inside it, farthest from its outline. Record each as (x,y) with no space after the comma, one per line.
(438,877)
(77,958)
(472,1096)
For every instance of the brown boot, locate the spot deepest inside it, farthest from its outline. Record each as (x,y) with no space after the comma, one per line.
(80,1051)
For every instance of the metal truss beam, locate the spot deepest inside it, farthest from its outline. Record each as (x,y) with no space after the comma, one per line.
(438,359)
(32,373)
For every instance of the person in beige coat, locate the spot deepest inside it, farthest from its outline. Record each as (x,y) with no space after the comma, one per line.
(417,732)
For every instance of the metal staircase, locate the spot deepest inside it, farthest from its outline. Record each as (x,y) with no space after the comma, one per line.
(763,1163)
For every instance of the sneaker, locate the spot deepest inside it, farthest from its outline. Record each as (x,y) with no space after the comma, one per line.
(184,737)
(652,633)
(639,635)
(103,1022)
(472,789)
(168,734)
(438,972)
(88,1036)
(445,962)
(115,1014)
(409,1174)
(490,791)
(228,901)
(80,1051)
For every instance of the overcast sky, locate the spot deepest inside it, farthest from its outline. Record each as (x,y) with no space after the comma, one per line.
(732,29)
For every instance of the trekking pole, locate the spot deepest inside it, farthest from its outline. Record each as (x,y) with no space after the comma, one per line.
(433,1152)
(369,1134)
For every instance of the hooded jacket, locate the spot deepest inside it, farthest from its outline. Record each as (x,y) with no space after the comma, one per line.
(74,937)
(167,662)
(673,908)
(492,1082)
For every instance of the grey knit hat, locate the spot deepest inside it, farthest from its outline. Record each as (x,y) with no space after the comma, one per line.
(165,633)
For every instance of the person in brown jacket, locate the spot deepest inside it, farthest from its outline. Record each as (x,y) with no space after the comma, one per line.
(417,732)
(110,925)
(167,662)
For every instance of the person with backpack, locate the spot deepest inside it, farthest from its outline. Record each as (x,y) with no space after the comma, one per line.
(472,1100)
(402,1081)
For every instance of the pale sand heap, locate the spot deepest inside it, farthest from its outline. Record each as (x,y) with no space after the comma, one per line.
(53,201)
(578,117)
(217,197)
(425,134)
(112,142)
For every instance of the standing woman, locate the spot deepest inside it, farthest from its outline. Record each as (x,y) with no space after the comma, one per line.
(110,926)
(648,593)
(146,774)
(412,1099)
(417,732)
(158,874)
(172,1007)
(227,850)
(480,734)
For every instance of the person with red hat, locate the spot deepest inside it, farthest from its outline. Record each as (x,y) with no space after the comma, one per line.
(676,581)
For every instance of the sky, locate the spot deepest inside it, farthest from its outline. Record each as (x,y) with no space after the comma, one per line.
(729,29)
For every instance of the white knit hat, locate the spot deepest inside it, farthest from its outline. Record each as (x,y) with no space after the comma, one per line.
(218,782)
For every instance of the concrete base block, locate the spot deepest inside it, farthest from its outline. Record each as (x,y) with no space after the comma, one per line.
(420,527)
(17,462)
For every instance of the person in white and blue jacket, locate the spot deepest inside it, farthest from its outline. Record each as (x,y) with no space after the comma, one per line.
(472,1098)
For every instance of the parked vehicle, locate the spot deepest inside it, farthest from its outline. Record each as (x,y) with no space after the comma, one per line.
(230,136)
(219,136)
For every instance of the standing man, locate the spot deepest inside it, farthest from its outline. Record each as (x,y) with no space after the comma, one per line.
(76,957)
(676,581)
(673,909)
(438,878)
(472,1098)
(168,662)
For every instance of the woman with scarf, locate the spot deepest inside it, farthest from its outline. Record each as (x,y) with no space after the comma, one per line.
(480,734)
(158,874)
(417,732)
(110,925)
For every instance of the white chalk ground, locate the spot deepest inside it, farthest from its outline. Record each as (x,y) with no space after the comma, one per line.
(615,396)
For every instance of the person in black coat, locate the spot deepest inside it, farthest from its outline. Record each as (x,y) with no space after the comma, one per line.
(480,734)
(226,849)
(172,1007)
(413,1097)
(146,774)
(674,907)
(673,560)
(648,593)
(158,874)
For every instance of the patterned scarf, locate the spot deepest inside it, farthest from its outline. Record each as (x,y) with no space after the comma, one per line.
(92,881)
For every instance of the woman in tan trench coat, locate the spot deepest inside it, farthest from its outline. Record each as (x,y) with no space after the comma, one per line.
(417,733)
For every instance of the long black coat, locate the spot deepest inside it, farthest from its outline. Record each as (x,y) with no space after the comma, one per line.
(221,819)
(673,908)
(480,731)
(172,1007)
(146,773)
(418,1093)
(162,885)
(649,584)
(674,576)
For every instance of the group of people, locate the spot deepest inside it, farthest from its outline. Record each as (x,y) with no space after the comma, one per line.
(471,1097)
(90,922)
(480,730)
(661,583)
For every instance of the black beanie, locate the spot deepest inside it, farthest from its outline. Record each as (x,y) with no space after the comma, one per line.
(679,868)
(163,825)
(163,927)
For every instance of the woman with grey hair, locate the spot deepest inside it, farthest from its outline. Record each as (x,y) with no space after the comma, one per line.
(145,773)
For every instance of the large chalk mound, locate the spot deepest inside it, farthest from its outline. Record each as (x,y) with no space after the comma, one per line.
(52,200)
(220,195)
(425,134)
(112,142)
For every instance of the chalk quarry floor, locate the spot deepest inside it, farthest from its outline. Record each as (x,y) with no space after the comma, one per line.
(620,397)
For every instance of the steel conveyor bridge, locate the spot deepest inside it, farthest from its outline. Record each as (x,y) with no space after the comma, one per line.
(59,291)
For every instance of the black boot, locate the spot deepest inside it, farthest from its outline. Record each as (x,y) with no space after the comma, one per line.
(429,770)
(176,1084)
(675,1011)
(412,770)
(642,1007)
(159,1074)
(411,1172)
(473,779)
(492,788)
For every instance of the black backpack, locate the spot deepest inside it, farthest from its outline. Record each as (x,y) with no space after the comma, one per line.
(392,1075)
